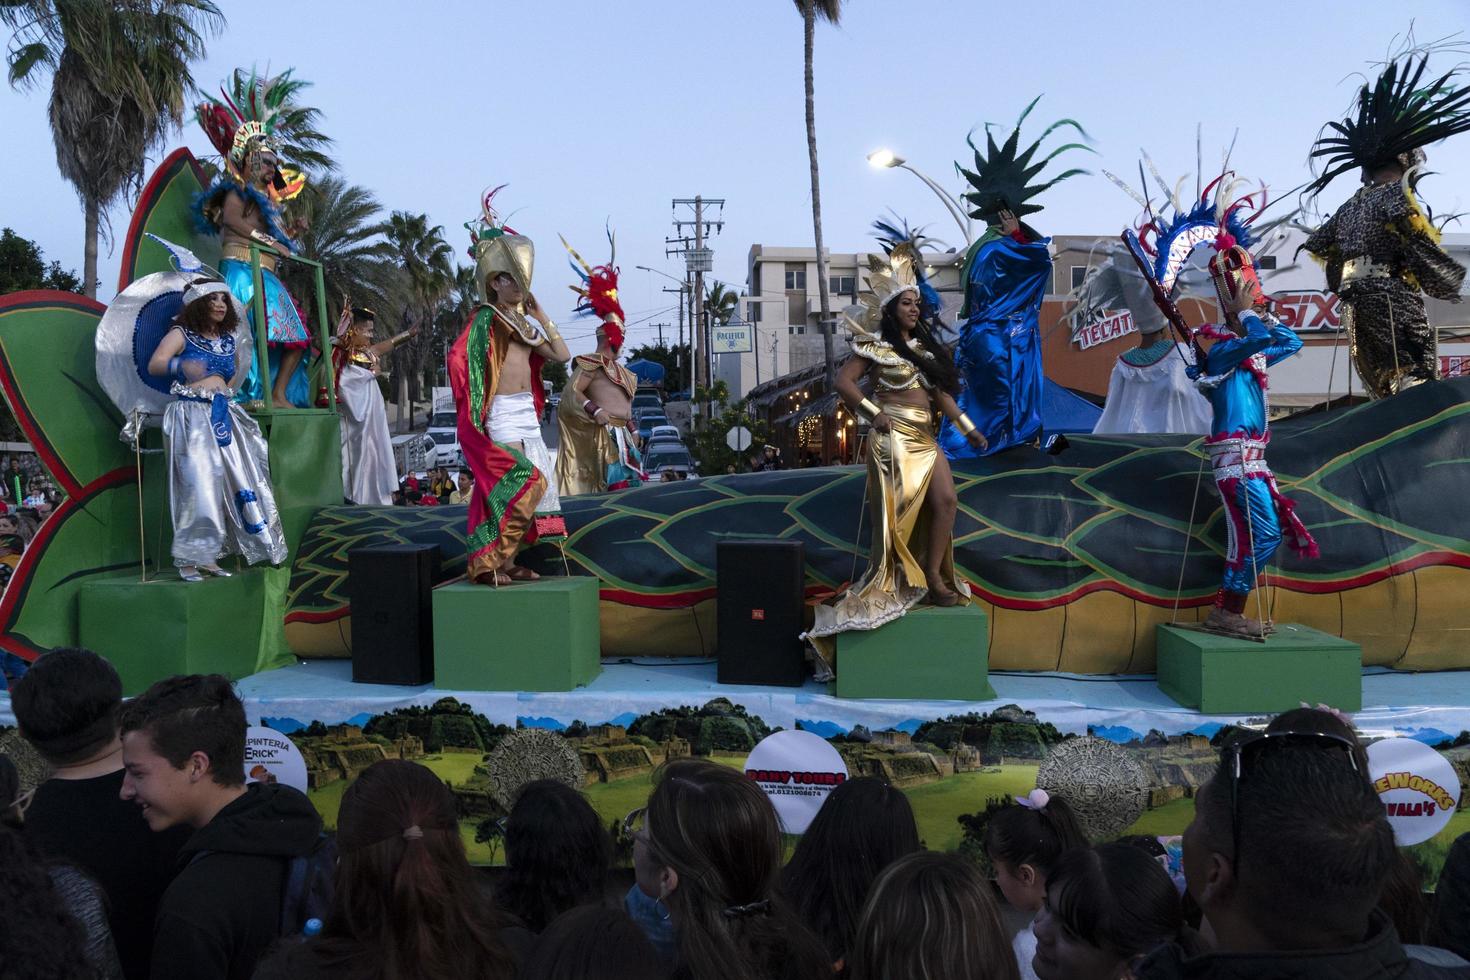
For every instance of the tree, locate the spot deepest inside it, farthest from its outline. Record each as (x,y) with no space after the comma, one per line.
(23,266)
(555,372)
(425,279)
(712,454)
(831,12)
(344,234)
(721,303)
(120,81)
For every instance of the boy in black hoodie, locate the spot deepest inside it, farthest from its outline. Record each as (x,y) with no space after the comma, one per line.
(67,706)
(183,746)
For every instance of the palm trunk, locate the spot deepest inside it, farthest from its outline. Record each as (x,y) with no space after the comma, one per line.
(809,23)
(89,251)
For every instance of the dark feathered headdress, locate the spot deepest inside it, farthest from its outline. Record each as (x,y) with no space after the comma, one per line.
(1003,174)
(1399,113)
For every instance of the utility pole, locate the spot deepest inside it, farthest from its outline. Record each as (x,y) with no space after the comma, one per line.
(697,261)
(660,328)
(679,350)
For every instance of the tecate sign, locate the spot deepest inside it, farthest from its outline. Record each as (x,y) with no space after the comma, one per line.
(1315,310)
(1104,329)
(736,338)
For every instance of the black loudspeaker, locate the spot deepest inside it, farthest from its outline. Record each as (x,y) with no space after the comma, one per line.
(760,585)
(392,613)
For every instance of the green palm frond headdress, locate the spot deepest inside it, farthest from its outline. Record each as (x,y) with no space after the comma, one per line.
(1002,176)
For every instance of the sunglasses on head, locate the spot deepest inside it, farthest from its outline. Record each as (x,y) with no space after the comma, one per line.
(1239,756)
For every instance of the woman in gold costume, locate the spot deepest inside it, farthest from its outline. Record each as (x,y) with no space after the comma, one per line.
(911,495)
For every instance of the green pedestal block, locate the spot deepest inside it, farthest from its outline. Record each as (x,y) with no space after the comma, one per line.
(532,636)
(151,630)
(929,654)
(1296,664)
(306,465)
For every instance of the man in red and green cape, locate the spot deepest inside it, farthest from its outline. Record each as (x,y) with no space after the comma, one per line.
(495,374)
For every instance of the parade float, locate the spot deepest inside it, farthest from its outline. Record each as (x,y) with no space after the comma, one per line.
(1075,558)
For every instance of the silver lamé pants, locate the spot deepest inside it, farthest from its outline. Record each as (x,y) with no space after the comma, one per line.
(219,496)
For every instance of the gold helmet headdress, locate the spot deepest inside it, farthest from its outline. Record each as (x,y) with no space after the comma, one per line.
(497,248)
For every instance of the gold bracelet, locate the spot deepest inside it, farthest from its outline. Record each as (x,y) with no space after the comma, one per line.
(867,410)
(964,424)
(549,329)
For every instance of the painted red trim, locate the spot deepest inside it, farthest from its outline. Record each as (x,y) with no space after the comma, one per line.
(40,299)
(20,583)
(167,169)
(692,597)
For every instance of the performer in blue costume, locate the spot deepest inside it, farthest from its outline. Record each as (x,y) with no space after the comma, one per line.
(243,206)
(1007,276)
(1234,379)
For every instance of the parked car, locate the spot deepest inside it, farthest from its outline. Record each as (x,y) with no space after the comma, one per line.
(646,424)
(446,447)
(664,432)
(644,400)
(662,459)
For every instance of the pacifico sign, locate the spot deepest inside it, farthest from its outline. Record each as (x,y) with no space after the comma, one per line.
(1419,787)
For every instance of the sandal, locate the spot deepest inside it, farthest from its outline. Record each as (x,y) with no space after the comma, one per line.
(520,573)
(190,573)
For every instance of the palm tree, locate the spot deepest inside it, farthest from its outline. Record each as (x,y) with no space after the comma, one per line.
(120,83)
(343,233)
(422,257)
(831,12)
(720,303)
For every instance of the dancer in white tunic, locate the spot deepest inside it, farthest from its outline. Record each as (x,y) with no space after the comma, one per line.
(369,474)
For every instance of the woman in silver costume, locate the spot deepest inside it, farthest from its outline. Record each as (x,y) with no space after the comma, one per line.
(220,494)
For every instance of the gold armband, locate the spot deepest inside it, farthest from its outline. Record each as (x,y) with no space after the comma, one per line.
(964,424)
(867,410)
(549,329)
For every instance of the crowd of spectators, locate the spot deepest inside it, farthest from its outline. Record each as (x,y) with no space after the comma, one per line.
(434,487)
(145,855)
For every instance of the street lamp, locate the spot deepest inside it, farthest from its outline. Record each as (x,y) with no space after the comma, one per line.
(885,159)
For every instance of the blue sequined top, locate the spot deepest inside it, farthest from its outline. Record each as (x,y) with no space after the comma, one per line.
(217,353)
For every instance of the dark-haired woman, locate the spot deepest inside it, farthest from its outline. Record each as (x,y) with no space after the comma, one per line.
(1023,842)
(931,917)
(557,854)
(406,902)
(708,848)
(219,472)
(593,943)
(1105,907)
(911,493)
(863,827)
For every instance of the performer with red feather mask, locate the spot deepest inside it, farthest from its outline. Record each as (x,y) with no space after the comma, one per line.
(598,435)
(495,374)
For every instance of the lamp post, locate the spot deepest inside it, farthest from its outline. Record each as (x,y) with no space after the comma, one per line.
(885,159)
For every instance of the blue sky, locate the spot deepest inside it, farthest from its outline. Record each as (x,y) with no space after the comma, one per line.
(598,112)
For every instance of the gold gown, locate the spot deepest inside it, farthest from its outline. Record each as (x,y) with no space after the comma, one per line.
(900,464)
(587,449)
